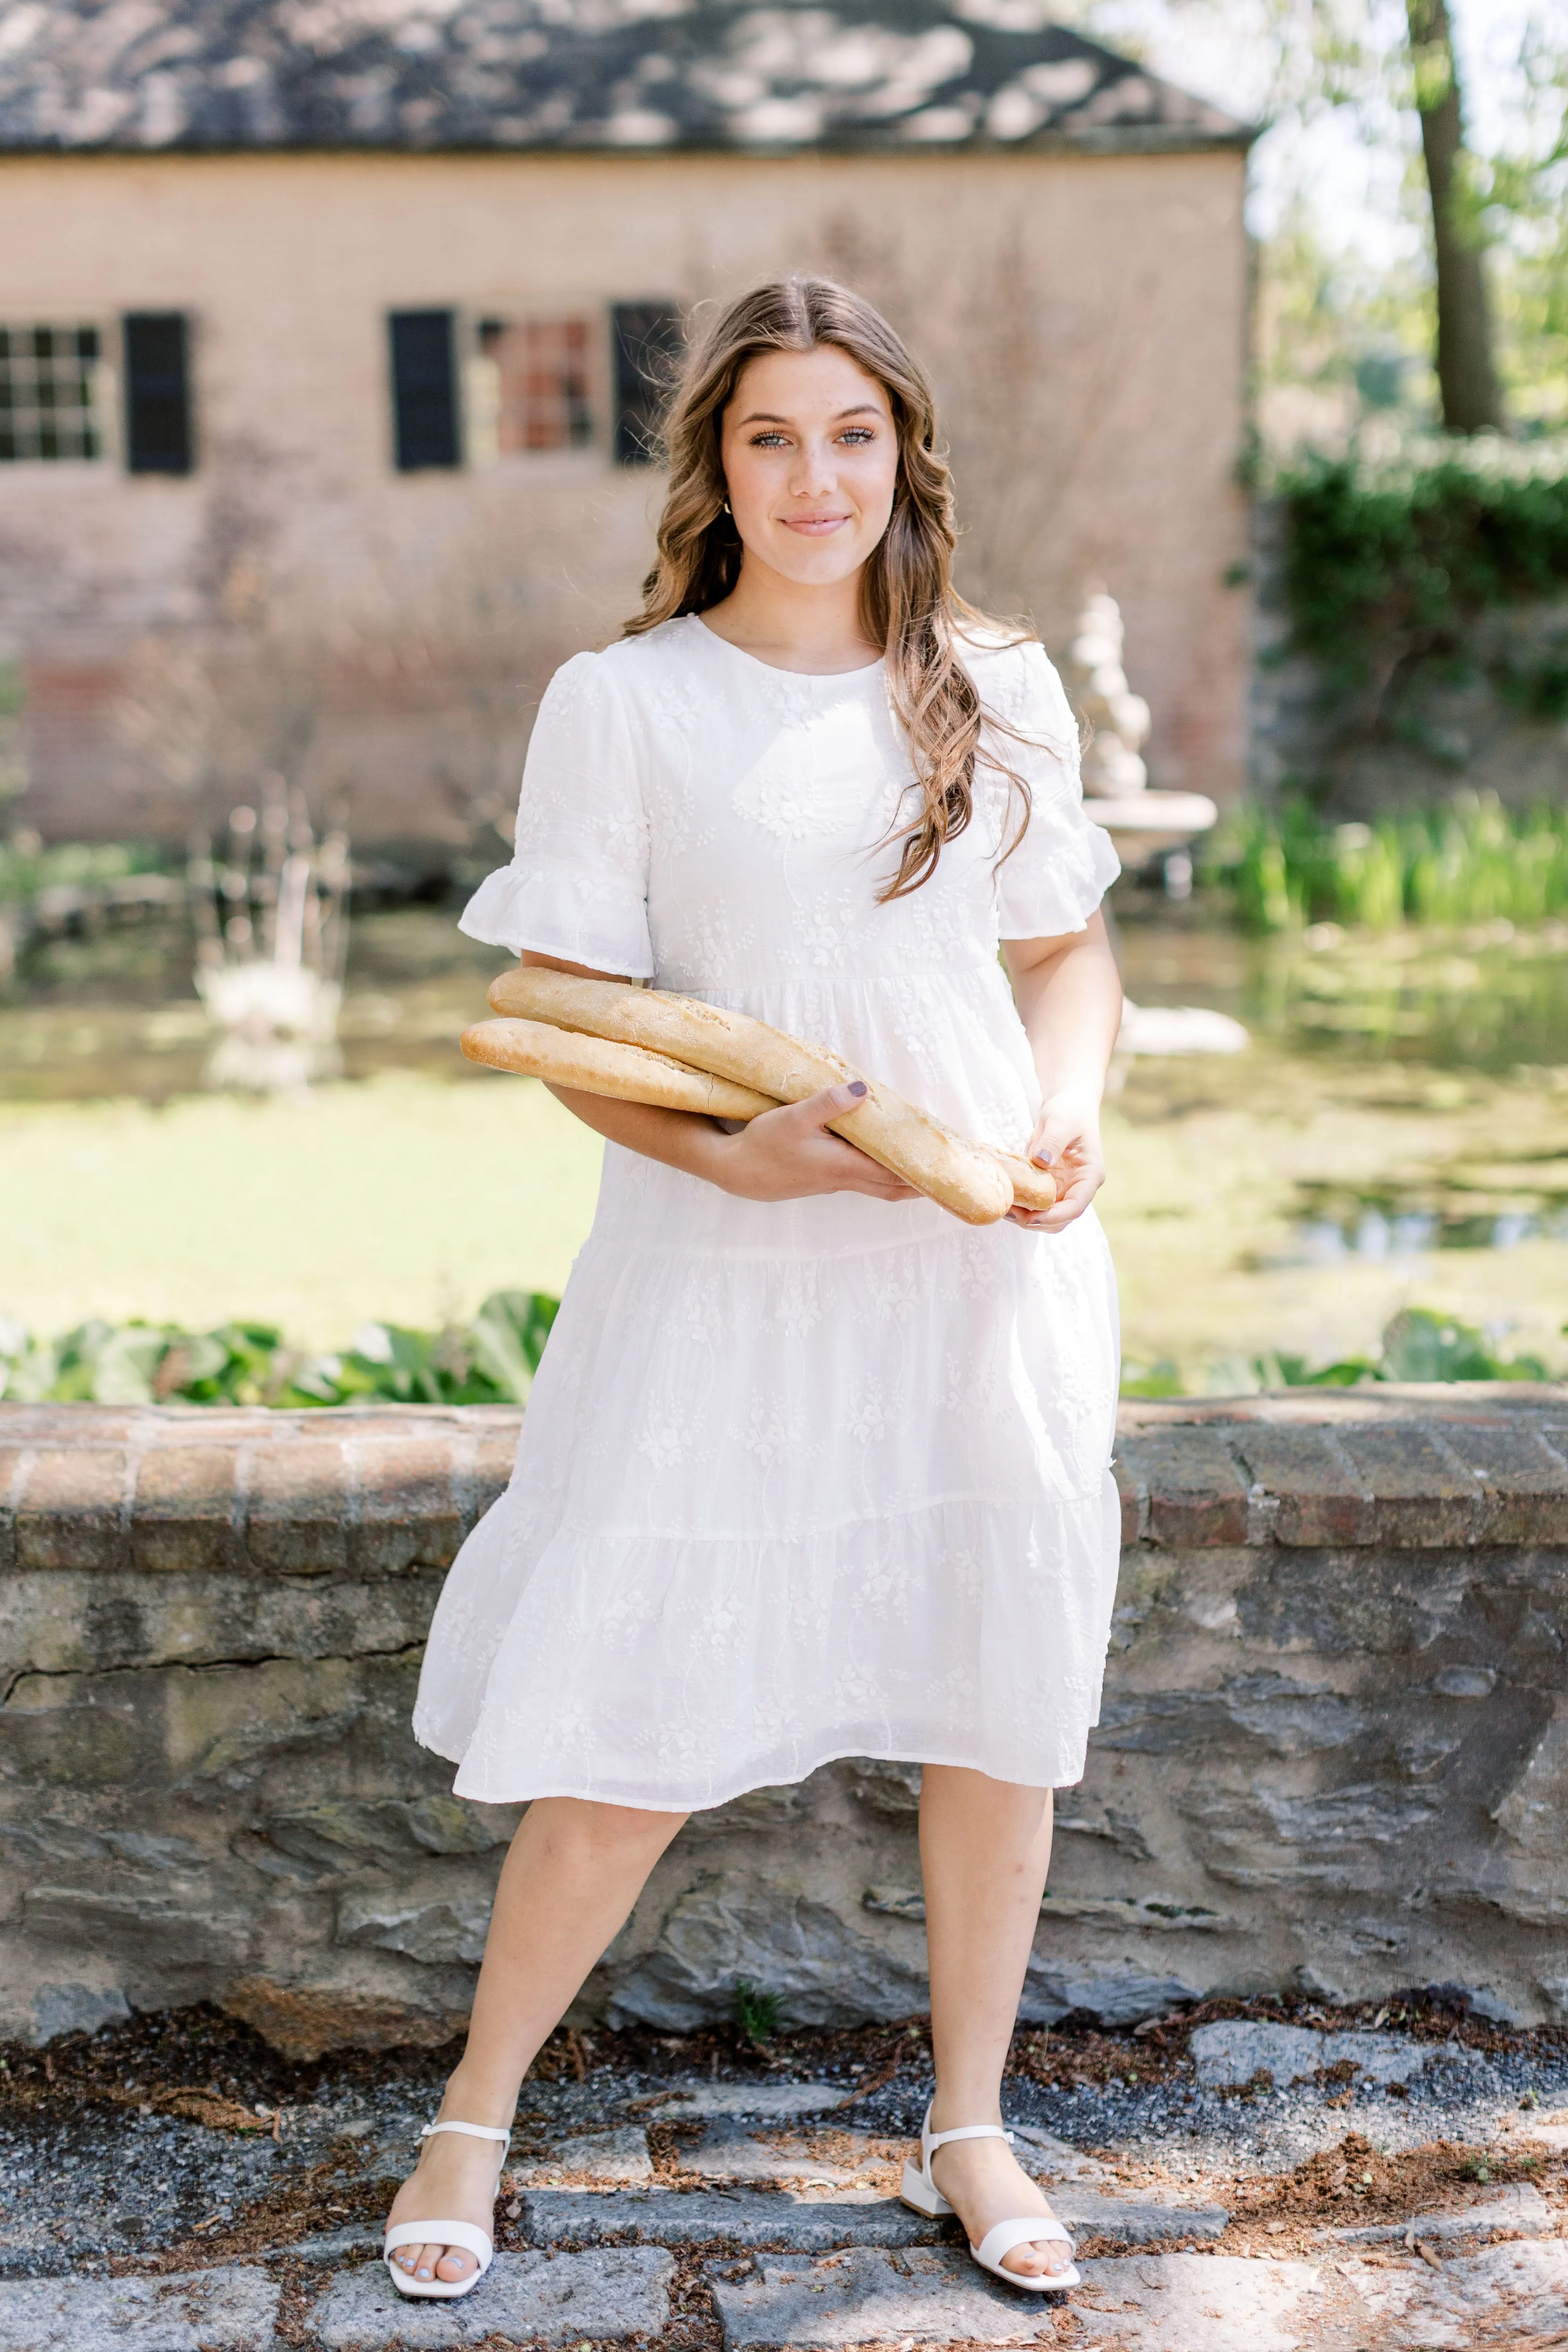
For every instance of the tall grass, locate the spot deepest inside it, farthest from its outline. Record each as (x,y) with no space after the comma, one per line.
(1470,861)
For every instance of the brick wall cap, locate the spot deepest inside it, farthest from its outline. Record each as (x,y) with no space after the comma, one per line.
(1387,1401)
(368,1492)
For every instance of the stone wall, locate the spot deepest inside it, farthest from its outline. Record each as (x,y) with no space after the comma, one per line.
(1334,1752)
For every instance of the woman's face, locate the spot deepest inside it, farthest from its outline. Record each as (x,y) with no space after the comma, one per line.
(811,462)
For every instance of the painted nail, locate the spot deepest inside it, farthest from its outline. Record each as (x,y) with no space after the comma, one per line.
(859,1087)
(423,2274)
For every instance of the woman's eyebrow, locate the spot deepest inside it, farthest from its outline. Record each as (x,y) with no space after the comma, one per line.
(766,415)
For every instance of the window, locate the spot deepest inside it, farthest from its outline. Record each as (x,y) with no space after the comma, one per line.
(49,382)
(426,426)
(542,382)
(156,347)
(647,344)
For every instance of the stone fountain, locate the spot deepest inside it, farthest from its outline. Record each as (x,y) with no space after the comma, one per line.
(272,929)
(1143,824)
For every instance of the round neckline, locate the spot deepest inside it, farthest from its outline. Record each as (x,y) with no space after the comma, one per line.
(806,676)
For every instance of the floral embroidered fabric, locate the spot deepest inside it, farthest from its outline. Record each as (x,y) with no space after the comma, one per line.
(820,1478)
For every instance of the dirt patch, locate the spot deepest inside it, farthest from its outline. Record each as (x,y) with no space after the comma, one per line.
(1354,2183)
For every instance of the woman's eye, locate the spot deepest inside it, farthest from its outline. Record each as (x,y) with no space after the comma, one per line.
(858,435)
(767,441)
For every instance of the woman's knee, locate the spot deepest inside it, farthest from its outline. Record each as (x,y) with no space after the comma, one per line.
(582,1827)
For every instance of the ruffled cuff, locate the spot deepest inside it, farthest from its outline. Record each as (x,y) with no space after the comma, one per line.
(554,910)
(1058,875)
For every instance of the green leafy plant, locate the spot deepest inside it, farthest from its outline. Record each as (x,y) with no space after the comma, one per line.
(1469,861)
(488,1361)
(1386,557)
(27,866)
(1417,1344)
(758,2014)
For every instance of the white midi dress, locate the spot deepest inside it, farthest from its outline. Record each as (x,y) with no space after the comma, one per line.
(815,1478)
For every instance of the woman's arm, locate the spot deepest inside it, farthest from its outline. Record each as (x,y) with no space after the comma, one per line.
(1069,995)
(784,1155)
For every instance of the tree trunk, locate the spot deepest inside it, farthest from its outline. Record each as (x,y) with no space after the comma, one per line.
(1466,377)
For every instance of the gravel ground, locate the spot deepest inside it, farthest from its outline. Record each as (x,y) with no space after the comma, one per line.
(182,2137)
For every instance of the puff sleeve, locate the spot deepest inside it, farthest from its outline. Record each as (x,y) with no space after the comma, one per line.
(1058,875)
(577,884)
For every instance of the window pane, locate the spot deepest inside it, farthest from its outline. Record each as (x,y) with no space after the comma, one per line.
(47,393)
(543,369)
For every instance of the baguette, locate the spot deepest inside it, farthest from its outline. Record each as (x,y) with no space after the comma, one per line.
(1033,1188)
(964,1178)
(599,1065)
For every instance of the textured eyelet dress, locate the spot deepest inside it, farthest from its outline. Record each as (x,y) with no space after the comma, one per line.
(814,1478)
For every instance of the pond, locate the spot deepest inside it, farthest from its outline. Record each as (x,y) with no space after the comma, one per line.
(1396,1133)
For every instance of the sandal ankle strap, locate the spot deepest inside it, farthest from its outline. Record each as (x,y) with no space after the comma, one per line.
(968,2131)
(471,2131)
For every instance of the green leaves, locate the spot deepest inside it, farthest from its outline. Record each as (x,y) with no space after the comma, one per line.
(1380,557)
(1417,1344)
(491,1361)
(1470,861)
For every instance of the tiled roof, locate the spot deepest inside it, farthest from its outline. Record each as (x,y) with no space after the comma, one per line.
(155,75)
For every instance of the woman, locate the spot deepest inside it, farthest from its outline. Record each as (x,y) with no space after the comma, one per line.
(811,1469)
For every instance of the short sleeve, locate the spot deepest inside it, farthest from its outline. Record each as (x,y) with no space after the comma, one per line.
(1058,873)
(577,884)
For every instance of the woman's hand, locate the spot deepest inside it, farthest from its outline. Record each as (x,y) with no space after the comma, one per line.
(1067,1141)
(790,1153)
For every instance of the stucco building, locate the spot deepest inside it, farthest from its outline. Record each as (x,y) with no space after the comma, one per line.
(330,339)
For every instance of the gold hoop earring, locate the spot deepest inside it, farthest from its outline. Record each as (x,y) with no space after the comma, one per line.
(727,509)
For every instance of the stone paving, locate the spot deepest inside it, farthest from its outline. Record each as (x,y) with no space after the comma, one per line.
(698,2215)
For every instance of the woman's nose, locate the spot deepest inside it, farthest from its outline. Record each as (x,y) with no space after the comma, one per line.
(814,473)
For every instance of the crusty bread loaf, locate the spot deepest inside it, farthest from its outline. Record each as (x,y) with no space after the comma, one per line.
(965,1177)
(597,1065)
(1033,1188)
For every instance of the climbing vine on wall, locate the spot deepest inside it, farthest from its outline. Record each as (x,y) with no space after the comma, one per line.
(1387,562)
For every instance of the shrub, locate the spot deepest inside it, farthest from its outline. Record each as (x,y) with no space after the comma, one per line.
(1384,555)
(1417,1344)
(491,1361)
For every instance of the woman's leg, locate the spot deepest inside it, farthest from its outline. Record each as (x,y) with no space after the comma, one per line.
(986,1846)
(568,1883)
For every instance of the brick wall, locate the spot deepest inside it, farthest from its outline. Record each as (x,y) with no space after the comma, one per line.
(1333,1754)
(1091,365)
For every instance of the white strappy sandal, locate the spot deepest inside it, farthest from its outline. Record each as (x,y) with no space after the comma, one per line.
(462,2234)
(921,2191)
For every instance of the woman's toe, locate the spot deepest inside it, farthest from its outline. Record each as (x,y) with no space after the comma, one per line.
(1035,2259)
(454,2266)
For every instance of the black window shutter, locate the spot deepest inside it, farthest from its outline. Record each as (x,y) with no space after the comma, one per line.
(425,390)
(647,342)
(156,348)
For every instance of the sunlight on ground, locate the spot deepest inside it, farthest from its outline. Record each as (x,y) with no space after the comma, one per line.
(404,1199)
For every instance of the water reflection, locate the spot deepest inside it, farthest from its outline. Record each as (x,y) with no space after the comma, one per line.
(115,1014)
(1490,998)
(1376,1234)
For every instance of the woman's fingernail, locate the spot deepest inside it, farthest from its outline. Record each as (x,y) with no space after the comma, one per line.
(859,1087)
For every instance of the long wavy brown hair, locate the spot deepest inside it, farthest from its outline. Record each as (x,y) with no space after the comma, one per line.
(908,602)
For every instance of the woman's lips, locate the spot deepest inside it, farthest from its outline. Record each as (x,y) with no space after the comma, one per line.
(815,526)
